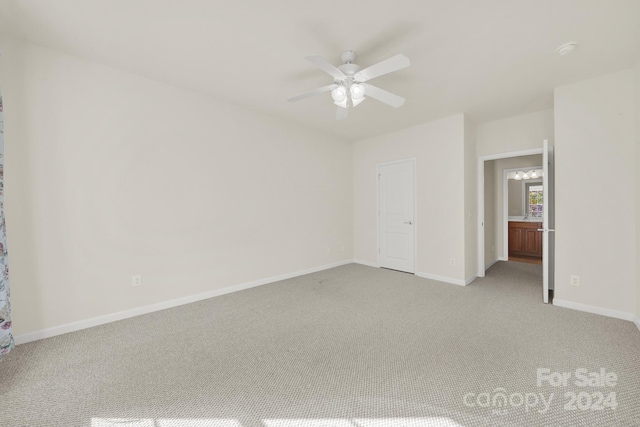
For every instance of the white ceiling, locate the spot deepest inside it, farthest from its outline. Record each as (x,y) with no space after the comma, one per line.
(486,58)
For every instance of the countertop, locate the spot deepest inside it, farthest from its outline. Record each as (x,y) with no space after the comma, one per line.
(525,219)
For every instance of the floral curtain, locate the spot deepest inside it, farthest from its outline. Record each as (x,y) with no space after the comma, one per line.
(6,337)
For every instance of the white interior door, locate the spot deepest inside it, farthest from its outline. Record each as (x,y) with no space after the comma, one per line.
(396,234)
(548,222)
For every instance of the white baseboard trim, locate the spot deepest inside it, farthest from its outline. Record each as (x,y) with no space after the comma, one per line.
(623,315)
(503,259)
(442,279)
(125,314)
(491,264)
(367,263)
(636,320)
(425,275)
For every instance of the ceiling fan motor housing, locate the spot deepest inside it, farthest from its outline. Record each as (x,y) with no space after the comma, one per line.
(349,69)
(348,56)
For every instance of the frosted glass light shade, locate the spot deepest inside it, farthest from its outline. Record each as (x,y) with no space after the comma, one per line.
(339,94)
(357,91)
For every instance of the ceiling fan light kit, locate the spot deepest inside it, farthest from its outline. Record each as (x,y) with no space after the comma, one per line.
(349,87)
(339,95)
(357,91)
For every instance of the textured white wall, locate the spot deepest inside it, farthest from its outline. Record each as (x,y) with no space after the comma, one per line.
(517,133)
(439,151)
(110,175)
(596,218)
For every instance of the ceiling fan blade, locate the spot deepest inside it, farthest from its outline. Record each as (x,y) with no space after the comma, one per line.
(387,66)
(383,96)
(313,92)
(325,66)
(342,113)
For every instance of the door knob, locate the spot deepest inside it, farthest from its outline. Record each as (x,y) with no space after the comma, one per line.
(408,222)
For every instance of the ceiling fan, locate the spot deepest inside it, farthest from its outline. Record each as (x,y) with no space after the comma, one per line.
(349,87)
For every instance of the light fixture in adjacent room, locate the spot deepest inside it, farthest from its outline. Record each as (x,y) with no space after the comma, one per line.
(520,175)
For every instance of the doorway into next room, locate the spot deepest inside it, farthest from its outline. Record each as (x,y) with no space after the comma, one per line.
(523,207)
(513,211)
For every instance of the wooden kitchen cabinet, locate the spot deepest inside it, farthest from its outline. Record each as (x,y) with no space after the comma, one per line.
(525,239)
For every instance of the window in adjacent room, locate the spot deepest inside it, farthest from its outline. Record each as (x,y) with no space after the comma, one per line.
(534,201)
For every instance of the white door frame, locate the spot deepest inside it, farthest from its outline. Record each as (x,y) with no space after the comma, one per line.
(548,240)
(415,209)
(481,160)
(505,207)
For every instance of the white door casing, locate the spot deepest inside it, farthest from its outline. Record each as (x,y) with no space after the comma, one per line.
(481,219)
(396,216)
(548,221)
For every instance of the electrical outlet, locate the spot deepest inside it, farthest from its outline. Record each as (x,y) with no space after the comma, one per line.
(575,281)
(136,280)
(452,261)
(343,248)
(328,250)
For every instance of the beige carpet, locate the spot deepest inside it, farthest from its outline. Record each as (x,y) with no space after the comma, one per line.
(353,346)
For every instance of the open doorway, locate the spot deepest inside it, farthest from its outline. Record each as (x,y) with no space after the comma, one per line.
(522,207)
(494,216)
